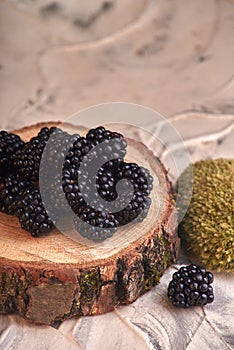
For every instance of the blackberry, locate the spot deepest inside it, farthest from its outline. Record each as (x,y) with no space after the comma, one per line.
(28,159)
(58,148)
(134,207)
(76,153)
(142,183)
(114,171)
(31,213)
(10,188)
(71,166)
(135,211)
(106,180)
(51,190)
(100,134)
(52,168)
(138,176)
(72,189)
(9,145)
(110,145)
(96,225)
(191,286)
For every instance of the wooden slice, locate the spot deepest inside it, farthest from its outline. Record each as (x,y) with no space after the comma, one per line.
(53,277)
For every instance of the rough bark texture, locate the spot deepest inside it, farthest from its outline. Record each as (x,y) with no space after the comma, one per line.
(45,292)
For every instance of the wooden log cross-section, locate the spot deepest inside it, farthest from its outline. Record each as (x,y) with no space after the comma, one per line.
(53,277)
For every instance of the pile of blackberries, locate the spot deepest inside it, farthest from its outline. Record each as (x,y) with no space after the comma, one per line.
(59,165)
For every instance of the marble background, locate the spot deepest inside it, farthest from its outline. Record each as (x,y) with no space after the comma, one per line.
(176,57)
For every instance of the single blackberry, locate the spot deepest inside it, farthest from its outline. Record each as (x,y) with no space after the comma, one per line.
(76,153)
(10,187)
(100,134)
(31,213)
(138,176)
(114,171)
(71,188)
(106,180)
(71,166)
(58,150)
(96,225)
(9,145)
(191,286)
(111,144)
(53,196)
(52,168)
(142,183)
(28,159)
(135,211)
(135,207)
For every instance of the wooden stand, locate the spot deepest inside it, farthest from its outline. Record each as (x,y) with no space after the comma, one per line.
(52,278)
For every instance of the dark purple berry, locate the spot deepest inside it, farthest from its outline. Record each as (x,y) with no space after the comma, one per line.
(10,188)
(32,214)
(190,286)
(10,144)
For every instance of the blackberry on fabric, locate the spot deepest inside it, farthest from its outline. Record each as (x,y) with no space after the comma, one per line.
(191,286)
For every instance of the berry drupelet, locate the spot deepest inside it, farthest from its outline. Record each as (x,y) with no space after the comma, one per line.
(31,213)
(10,144)
(191,286)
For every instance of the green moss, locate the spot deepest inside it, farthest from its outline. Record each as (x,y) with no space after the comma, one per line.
(12,293)
(208,226)
(145,272)
(90,286)
(155,261)
(121,280)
